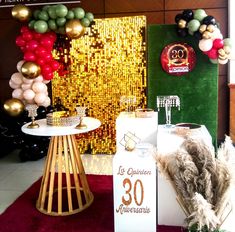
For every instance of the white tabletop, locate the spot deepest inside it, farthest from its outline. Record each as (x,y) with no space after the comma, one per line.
(47,130)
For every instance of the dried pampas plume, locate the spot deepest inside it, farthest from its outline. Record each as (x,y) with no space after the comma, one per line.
(201,181)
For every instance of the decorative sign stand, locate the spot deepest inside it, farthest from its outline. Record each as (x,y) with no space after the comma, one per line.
(134,175)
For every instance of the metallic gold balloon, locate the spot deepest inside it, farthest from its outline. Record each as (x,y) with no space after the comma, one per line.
(182,23)
(210,28)
(30,70)
(13,107)
(21,12)
(202,28)
(74,29)
(206,35)
(227,49)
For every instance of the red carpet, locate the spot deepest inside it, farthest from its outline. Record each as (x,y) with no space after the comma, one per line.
(22,216)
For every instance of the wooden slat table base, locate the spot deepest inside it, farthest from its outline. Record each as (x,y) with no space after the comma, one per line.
(64,187)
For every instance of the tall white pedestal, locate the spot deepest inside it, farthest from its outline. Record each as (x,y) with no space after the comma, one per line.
(134,182)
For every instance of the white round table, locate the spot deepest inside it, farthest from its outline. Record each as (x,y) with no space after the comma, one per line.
(64,188)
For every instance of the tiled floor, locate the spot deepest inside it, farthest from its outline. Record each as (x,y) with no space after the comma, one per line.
(16,177)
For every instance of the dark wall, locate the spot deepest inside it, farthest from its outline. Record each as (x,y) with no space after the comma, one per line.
(156,11)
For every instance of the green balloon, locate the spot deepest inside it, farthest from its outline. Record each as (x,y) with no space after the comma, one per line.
(52,24)
(40,26)
(43,15)
(199,14)
(61,10)
(193,25)
(85,22)
(214,61)
(36,13)
(89,16)
(51,12)
(190,32)
(228,42)
(45,7)
(70,15)
(60,22)
(79,13)
(31,24)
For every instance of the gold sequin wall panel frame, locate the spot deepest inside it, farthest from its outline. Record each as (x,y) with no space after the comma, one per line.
(108,62)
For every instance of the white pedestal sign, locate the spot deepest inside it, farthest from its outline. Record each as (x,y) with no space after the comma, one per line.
(134,180)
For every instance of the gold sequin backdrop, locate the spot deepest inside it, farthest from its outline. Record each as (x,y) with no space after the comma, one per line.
(105,64)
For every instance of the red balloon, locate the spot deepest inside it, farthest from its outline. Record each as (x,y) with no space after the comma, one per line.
(213,53)
(20,41)
(52,36)
(29,56)
(48,76)
(36,35)
(41,61)
(27,36)
(32,45)
(54,65)
(40,51)
(218,43)
(24,29)
(48,57)
(47,42)
(46,69)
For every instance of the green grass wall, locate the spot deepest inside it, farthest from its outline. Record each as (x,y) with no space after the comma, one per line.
(198,89)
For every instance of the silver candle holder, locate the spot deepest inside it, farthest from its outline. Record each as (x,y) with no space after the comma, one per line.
(81,111)
(168,102)
(32,112)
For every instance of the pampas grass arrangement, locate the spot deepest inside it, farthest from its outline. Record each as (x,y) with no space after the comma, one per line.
(202,180)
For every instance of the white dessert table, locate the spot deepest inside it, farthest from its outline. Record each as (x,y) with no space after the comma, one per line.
(60,194)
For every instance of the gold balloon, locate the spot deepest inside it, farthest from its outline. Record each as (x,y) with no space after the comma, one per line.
(13,107)
(227,49)
(21,12)
(210,28)
(202,28)
(74,29)
(30,70)
(206,35)
(182,23)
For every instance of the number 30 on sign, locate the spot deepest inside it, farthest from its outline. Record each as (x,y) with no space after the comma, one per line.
(134,195)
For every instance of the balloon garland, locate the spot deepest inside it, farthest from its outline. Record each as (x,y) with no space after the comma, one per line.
(204,28)
(37,40)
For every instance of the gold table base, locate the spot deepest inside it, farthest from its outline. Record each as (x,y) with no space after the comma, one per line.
(60,196)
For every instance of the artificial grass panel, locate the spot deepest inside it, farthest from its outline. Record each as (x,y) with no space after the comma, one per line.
(197,90)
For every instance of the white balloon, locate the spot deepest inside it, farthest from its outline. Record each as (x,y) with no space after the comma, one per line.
(216,34)
(26,86)
(17,93)
(39,87)
(205,44)
(47,102)
(17,78)
(27,81)
(13,85)
(46,81)
(38,78)
(28,94)
(223,61)
(40,98)
(19,65)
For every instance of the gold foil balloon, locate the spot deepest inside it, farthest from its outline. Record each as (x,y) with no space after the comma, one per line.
(30,70)
(202,28)
(13,107)
(210,28)
(21,12)
(206,35)
(182,23)
(74,29)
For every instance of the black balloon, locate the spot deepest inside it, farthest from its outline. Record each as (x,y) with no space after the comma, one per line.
(178,17)
(182,32)
(188,15)
(197,35)
(209,20)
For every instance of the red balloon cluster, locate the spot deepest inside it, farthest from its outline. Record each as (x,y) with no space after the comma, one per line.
(37,47)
